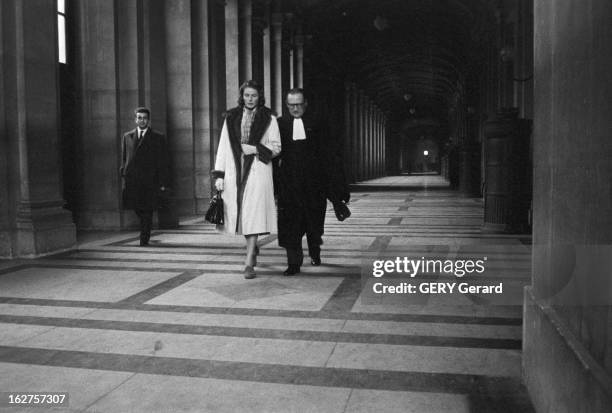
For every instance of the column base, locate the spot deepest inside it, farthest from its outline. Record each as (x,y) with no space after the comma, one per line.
(6,244)
(559,373)
(36,242)
(41,228)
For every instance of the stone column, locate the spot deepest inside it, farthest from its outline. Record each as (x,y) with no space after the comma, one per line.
(348,122)
(373,140)
(381,134)
(523,59)
(245,35)
(362,137)
(299,58)
(152,80)
(384,146)
(232,60)
(567,328)
(6,206)
(291,53)
(203,145)
(277,73)
(370,139)
(469,160)
(359,137)
(35,223)
(378,142)
(104,114)
(508,183)
(216,56)
(179,78)
(354,133)
(381,153)
(267,57)
(366,136)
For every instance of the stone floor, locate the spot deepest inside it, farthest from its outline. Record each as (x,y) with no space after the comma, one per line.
(174,327)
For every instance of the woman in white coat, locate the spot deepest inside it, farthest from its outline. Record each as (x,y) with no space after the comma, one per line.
(243,170)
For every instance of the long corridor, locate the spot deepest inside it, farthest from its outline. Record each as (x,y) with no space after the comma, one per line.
(174,327)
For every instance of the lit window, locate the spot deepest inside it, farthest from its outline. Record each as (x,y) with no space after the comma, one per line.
(425,153)
(61,30)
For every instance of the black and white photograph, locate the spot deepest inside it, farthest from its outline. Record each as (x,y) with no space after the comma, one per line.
(325,206)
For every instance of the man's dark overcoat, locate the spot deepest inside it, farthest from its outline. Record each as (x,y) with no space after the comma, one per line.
(144,168)
(304,180)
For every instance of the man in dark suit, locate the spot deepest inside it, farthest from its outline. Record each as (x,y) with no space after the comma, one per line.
(144,168)
(304,180)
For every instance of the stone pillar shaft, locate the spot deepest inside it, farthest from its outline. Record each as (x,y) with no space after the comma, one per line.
(203,145)
(362,136)
(299,60)
(179,78)
(246,43)
(35,224)
(232,60)
(347,132)
(354,133)
(277,73)
(267,57)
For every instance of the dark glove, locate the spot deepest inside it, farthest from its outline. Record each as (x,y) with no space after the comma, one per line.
(264,153)
(342,211)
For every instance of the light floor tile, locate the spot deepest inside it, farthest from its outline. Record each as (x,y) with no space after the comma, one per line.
(216,290)
(490,362)
(84,386)
(366,401)
(440,309)
(152,394)
(192,346)
(13,334)
(433,329)
(78,284)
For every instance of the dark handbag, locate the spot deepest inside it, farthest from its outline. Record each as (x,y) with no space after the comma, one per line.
(214,215)
(342,211)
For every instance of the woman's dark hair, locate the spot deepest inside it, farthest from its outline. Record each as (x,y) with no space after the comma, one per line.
(253,85)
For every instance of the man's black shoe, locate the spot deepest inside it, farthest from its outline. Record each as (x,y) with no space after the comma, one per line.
(291,270)
(316,261)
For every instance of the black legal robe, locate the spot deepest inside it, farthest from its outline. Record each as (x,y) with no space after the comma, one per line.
(305,176)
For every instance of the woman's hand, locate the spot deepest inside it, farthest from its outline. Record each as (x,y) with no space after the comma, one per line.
(249,149)
(219,184)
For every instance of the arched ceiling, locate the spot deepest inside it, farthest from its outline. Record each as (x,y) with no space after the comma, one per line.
(406,54)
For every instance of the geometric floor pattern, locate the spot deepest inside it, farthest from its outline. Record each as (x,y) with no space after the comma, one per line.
(174,327)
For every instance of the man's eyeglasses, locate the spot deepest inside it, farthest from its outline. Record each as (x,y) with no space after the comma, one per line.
(295,105)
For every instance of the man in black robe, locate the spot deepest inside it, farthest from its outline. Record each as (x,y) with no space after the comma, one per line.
(307,173)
